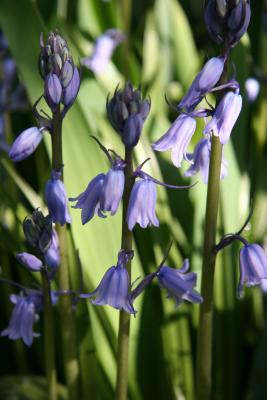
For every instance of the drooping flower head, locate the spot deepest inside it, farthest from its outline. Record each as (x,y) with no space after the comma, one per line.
(179,283)
(142,202)
(227,20)
(127,112)
(225,116)
(56,199)
(200,161)
(177,138)
(28,304)
(203,83)
(62,81)
(104,47)
(23,317)
(253,266)
(104,192)
(113,289)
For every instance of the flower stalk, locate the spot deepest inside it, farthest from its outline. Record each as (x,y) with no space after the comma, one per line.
(124,319)
(204,340)
(71,364)
(49,342)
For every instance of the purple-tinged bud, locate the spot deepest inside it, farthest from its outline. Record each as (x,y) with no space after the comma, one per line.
(25,144)
(127,112)
(112,190)
(70,92)
(29,261)
(89,200)
(179,284)
(253,266)
(132,130)
(252,87)
(227,20)
(203,83)
(142,286)
(177,138)
(200,160)
(103,50)
(53,90)
(113,289)
(38,230)
(67,73)
(52,255)
(54,54)
(142,205)
(225,116)
(56,199)
(238,22)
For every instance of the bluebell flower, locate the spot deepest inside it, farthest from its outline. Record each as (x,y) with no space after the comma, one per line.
(203,83)
(104,47)
(142,205)
(103,194)
(31,262)
(252,87)
(177,138)
(113,289)
(25,314)
(253,266)
(112,190)
(25,144)
(179,283)
(56,199)
(225,116)
(23,317)
(200,161)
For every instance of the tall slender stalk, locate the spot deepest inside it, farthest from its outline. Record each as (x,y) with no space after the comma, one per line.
(49,342)
(71,364)
(124,323)
(204,342)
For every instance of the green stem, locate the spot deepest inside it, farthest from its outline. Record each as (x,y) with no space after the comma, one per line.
(49,344)
(124,323)
(204,345)
(71,364)
(204,340)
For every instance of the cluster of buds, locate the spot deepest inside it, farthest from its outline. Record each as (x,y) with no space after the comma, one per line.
(227,20)
(62,80)
(127,112)
(41,235)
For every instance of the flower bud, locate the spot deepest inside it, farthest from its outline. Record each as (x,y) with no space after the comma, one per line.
(127,113)
(53,90)
(29,261)
(52,255)
(38,230)
(70,92)
(227,20)
(25,144)
(56,199)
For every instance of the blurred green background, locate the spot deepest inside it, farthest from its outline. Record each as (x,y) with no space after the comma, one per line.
(167,44)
